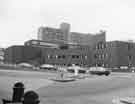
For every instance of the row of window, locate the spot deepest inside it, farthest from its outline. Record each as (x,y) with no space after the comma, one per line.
(101,56)
(59,35)
(102,45)
(64,56)
(101,64)
(69,64)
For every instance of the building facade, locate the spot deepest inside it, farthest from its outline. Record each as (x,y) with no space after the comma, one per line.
(44,55)
(2,52)
(67,57)
(88,39)
(59,46)
(19,54)
(54,34)
(64,35)
(121,53)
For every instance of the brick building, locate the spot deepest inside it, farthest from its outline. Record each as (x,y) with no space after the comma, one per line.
(19,54)
(120,53)
(44,55)
(58,46)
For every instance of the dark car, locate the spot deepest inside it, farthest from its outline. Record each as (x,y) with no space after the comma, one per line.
(99,71)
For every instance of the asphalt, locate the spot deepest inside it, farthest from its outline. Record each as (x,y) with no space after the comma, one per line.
(91,90)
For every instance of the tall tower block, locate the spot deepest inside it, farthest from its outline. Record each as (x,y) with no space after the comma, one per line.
(65,28)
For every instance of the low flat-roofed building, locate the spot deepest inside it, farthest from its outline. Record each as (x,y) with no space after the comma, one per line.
(18,54)
(44,55)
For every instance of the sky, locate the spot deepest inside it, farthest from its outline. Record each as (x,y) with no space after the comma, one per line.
(20,19)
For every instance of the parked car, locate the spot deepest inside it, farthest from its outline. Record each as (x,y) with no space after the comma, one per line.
(25,65)
(99,71)
(48,67)
(76,69)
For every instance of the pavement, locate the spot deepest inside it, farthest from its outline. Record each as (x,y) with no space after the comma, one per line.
(90,90)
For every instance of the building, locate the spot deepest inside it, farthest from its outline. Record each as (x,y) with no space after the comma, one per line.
(58,46)
(18,54)
(54,34)
(120,54)
(77,56)
(2,51)
(100,55)
(64,35)
(114,54)
(45,55)
(62,47)
(88,39)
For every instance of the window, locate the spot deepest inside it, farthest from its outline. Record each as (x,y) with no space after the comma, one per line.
(46,32)
(103,56)
(56,56)
(106,55)
(63,56)
(59,57)
(86,57)
(129,57)
(48,56)
(75,56)
(96,56)
(96,47)
(129,46)
(101,45)
(99,56)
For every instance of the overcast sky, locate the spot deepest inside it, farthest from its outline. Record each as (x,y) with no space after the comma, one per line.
(20,19)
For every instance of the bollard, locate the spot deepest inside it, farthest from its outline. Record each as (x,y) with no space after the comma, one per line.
(31,97)
(18,92)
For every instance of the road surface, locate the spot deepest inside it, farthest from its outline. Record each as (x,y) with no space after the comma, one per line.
(92,90)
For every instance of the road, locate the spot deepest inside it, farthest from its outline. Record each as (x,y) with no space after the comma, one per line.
(92,90)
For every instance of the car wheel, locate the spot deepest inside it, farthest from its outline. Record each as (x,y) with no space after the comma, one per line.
(107,74)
